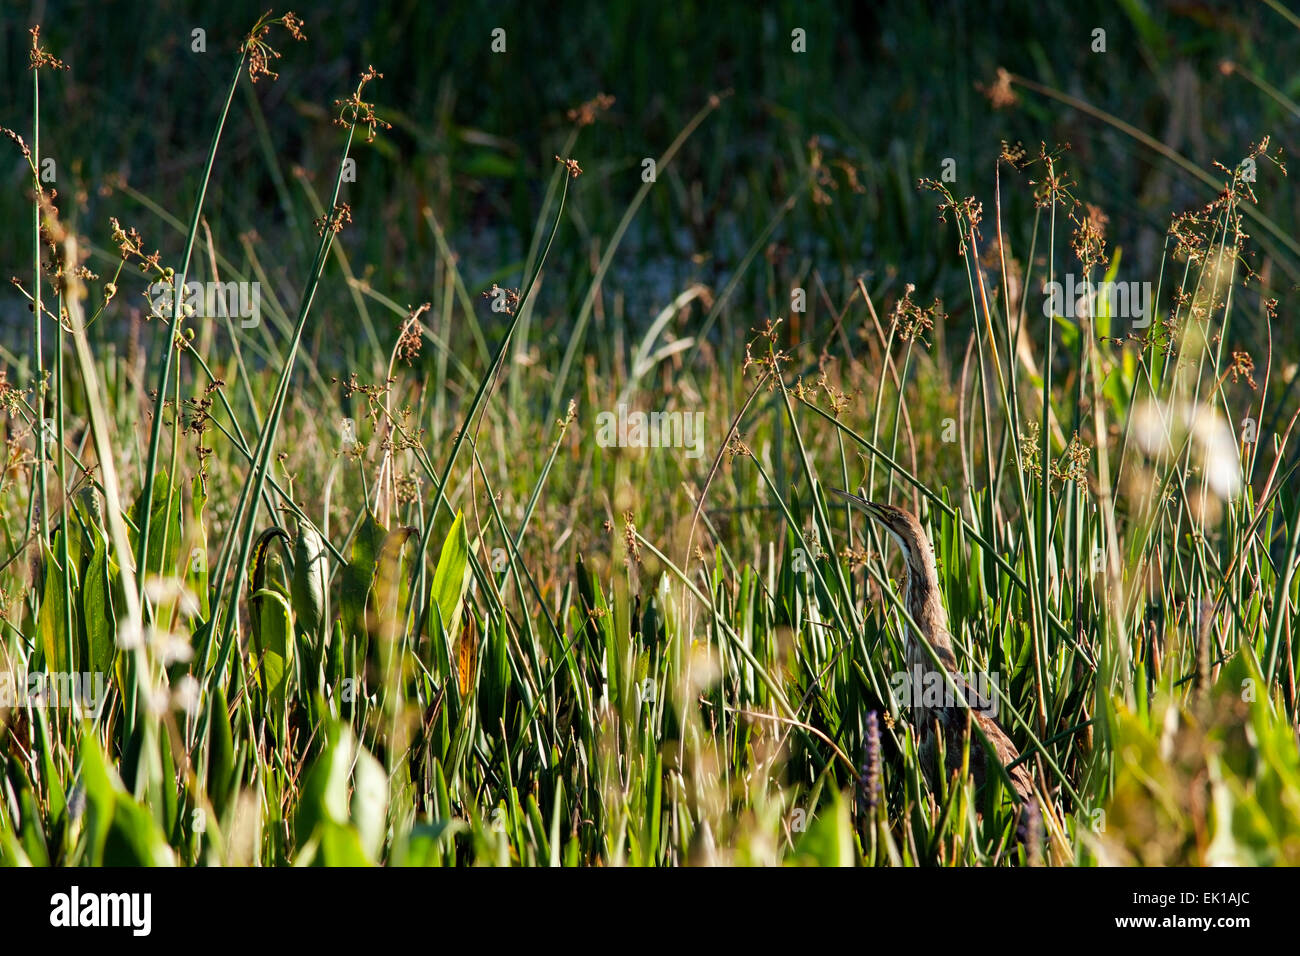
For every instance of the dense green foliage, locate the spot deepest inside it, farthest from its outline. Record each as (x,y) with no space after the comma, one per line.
(361,581)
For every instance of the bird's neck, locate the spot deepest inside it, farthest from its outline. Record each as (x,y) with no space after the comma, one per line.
(926,608)
(922,581)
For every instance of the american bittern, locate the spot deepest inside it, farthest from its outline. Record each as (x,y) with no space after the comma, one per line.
(948,718)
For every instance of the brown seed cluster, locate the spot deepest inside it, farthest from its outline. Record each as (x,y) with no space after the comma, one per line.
(774,357)
(836,397)
(411,338)
(354,110)
(999,93)
(259,52)
(588,112)
(1053,185)
(131,246)
(910,320)
(736,447)
(630,544)
(1243,366)
(1030,447)
(571,165)
(966,213)
(1089,238)
(334,220)
(570,416)
(822,171)
(509,299)
(1073,464)
(1014,155)
(22,144)
(38,58)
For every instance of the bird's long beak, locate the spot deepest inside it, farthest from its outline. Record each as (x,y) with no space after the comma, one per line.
(862,504)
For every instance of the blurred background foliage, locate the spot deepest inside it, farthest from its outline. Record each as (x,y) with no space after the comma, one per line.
(812,159)
(891,89)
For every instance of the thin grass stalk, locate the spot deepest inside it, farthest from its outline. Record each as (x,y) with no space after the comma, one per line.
(173,330)
(489,379)
(253,489)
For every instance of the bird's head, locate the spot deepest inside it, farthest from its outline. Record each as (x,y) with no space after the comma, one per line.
(903,526)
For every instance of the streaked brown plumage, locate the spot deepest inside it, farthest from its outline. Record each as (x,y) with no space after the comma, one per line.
(923,603)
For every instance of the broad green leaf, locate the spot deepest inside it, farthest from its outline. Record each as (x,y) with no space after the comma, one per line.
(97,612)
(33,836)
(272,622)
(426,843)
(494,677)
(11,850)
(310,579)
(134,839)
(389,589)
(358,575)
(164,525)
(51,621)
(99,786)
(325,793)
(221,754)
(828,840)
(451,579)
(340,845)
(276,640)
(370,803)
